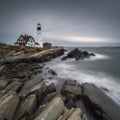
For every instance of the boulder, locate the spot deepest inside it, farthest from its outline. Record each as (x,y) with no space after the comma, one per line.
(101,105)
(52,72)
(70,82)
(52,110)
(8,105)
(26,107)
(75,90)
(72,87)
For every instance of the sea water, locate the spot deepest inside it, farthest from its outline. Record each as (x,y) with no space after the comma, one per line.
(103,70)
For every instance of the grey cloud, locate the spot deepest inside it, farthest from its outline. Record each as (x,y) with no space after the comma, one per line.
(88,18)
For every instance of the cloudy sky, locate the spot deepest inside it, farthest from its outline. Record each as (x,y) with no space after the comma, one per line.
(64,22)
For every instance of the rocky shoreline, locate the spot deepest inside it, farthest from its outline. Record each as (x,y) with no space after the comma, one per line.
(23,96)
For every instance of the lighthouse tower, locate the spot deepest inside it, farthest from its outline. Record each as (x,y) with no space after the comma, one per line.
(39,38)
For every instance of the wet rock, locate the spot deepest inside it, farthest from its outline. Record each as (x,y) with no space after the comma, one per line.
(92,54)
(3,83)
(14,86)
(105,89)
(8,105)
(50,78)
(73,53)
(102,106)
(52,72)
(52,110)
(26,107)
(64,58)
(13,70)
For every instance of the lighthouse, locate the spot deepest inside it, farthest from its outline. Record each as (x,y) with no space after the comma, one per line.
(39,38)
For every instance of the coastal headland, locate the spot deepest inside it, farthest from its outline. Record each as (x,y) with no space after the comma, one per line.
(23,96)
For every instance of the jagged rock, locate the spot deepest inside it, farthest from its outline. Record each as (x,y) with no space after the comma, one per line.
(72,87)
(71,90)
(30,85)
(3,83)
(77,54)
(102,106)
(52,110)
(8,105)
(66,114)
(50,88)
(27,107)
(39,91)
(76,115)
(14,86)
(72,114)
(75,90)
(49,97)
(73,53)
(52,72)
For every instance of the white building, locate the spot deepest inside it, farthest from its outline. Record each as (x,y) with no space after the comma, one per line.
(26,40)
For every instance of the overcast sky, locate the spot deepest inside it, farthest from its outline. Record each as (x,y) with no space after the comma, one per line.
(64,22)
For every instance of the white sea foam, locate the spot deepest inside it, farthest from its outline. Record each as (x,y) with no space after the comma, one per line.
(97,57)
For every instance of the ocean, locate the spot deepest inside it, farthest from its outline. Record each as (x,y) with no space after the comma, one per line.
(103,70)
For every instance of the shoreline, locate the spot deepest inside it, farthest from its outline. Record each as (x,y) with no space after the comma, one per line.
(21,80)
